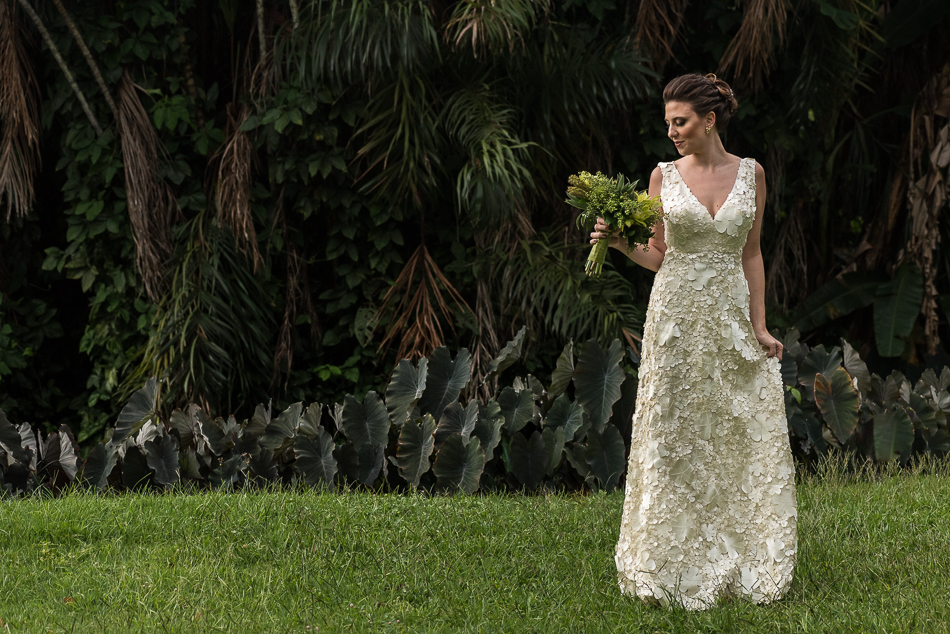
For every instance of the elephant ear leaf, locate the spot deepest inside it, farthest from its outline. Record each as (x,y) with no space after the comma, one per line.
(604,454)
(893,434)
(597,381)
(529,459)
(279,434)
(554,441)
(445,380)
(161,455)
(99,464)
(140,408)
(508,355)
(561,377)
(11,441)
(310,420)
(517,408)
(416,442)
(459,465)
(315,457)
(405,389)
(457,420)
(838,401)
(566,414)
(488,427)
(366,423)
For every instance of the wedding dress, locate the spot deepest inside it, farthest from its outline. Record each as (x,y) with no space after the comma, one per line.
(710,508)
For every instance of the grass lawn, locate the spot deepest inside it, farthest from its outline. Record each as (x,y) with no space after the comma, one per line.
(874,556)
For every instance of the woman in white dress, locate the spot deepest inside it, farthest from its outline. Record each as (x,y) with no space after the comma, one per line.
(710,508)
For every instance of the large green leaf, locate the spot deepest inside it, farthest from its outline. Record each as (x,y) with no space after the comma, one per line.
(139,409)
(529,459)
(566,414)
(371,459)
(11,441)
(508,355)
(365,423)
(597,380)
(516,407)
(212,433)
(279,434)
(893,434)
(348,463)
(554,441)
(855,366)
(604,454)
(457,420)
(136,473)
(896,308)
(259,421)
(838,402)
(837,298)
(185,424)
(99,464)
(575,455)
(310,421)
(161,455)
(817,361)
(445,380)
(405,389)
(416,443)
(562,374)
(228,472)
(488,427)
(315,458)
(459,465)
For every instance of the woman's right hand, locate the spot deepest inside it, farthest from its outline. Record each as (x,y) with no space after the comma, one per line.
(602,230)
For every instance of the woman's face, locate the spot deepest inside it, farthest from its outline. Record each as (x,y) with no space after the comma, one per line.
(685,128)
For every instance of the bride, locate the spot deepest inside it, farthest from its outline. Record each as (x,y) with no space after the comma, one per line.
(710,507)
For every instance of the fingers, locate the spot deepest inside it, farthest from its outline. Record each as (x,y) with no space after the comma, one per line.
(773,349)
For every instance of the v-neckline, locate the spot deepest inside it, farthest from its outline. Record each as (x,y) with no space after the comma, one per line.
(728,196)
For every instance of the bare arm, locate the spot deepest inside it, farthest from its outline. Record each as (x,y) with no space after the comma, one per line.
(651,258)
(754,270)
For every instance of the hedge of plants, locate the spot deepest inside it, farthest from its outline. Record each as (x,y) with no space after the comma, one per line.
(427,434)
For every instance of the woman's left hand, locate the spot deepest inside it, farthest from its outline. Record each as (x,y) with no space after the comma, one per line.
(772,346)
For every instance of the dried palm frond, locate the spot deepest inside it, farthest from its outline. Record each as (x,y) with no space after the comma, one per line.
(19,118)
(658,27)
(752,49)
(492,25)
(152,205)
(789,263)
(423,294)
(235,162)
(62,64)
(929,191)
(88,55)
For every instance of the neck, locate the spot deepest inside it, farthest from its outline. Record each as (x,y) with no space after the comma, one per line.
(712,154)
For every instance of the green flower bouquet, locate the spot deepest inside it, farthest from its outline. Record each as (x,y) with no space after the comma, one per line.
(630,213)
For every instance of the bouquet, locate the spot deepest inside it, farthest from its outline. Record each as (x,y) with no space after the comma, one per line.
(630,213)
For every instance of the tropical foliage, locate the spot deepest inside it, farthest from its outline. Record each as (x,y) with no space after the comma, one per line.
(288,197)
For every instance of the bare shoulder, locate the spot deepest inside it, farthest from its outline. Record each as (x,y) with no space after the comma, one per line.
(656,181)
(759,171)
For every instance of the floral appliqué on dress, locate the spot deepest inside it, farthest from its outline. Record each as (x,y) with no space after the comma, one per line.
(710,508)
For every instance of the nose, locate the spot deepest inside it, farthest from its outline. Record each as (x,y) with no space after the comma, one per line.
(669,131)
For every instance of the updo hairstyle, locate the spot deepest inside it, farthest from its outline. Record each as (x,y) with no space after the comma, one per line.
(704,95)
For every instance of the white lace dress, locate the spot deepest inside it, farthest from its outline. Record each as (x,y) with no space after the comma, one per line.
(710,508)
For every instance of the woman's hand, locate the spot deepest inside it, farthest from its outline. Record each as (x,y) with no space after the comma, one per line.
(772,346)
(601,230)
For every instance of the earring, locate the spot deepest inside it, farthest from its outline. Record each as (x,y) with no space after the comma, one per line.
(708,128)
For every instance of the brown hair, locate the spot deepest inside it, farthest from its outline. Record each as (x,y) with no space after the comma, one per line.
(704,95)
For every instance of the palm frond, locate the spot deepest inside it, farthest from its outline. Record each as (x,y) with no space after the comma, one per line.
(552,294)
(359,41)
(492,26)
(152,205)
(493,180)
(752,50)
(19,118)
(417,305)
(235,161)
(212,330)
(658,27)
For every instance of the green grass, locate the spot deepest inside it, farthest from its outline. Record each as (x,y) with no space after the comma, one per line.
(873,558)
